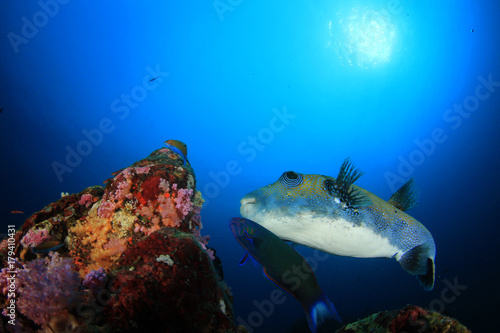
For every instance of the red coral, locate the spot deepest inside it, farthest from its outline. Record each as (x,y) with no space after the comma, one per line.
(188,282)
(410,319)
(150,188)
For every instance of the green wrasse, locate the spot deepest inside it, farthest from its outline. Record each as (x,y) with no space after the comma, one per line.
(335,216)
(285,267)
(177,147)
(47,247)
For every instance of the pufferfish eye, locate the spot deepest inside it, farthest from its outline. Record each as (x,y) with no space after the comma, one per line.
(290,179)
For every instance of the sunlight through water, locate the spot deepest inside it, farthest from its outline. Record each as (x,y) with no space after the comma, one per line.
(363,37)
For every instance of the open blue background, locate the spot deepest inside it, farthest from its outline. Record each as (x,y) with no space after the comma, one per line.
(228,69)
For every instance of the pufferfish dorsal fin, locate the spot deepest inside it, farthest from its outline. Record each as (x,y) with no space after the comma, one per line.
(342,188)
(406,197)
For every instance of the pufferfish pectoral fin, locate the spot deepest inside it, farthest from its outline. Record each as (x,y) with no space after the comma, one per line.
(406,197)
(417,262)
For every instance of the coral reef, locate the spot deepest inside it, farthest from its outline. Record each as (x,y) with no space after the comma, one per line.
(129,257)
(410,319)
(48,288)
(34,237)
(164,262)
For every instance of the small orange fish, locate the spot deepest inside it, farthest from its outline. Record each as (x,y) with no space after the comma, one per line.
(117,172)
(17,212)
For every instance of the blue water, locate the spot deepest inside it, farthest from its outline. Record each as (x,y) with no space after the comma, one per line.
(256,88)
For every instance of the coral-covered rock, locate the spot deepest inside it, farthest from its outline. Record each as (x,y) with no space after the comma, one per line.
(173,265)
(131,252)
(158,191)
(410,319)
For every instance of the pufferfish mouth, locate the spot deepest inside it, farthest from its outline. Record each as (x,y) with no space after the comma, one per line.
(248,200)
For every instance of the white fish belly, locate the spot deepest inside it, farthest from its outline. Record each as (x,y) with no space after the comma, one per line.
(338,237)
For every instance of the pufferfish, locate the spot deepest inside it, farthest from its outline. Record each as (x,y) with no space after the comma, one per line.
(335,216)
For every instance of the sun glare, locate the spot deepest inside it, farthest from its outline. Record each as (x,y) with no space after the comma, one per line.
(364,37)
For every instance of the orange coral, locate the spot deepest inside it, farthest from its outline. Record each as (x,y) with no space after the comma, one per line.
(93,237)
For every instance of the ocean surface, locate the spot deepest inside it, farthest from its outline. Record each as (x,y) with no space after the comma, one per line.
(255,88)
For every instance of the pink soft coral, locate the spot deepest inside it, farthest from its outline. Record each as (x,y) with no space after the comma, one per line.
(164,185)
(35,237)
(114,199)
(106,209)
(203,240)
(122,189)
(183,201)
(85,200)
(48,287)
(144,169)
(95,280)
(167,212)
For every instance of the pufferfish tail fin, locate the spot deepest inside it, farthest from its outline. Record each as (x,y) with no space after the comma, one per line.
(418,262)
